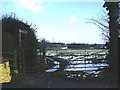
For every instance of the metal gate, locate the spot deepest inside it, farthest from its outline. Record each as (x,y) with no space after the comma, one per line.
(84,66)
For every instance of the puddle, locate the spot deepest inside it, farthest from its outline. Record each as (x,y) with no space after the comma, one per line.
(54,68)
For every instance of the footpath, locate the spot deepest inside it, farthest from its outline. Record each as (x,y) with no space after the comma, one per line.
(54,80)
(41,81)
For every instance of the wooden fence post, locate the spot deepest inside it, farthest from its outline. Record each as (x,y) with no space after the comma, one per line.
(15,61)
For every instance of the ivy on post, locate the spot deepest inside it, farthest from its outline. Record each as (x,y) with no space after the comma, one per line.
(112,7)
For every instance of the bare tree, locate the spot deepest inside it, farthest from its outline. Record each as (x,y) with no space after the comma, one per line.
(103,23)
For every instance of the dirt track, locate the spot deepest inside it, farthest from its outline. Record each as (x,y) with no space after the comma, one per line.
(38,81)
(54,80)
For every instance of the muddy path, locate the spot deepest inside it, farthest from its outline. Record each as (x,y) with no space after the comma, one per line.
(54,80)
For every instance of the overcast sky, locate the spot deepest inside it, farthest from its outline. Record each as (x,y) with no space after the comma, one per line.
(59,21)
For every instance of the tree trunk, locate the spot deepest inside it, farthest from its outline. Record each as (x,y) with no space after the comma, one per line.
(113,45)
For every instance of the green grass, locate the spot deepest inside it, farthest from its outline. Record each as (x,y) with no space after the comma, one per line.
(73,52)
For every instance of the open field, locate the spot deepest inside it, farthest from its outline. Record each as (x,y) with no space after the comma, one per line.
(75,52)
